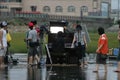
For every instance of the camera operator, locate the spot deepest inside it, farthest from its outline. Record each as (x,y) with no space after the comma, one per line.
(33,43)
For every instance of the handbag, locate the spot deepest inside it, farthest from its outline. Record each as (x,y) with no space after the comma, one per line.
(8,37)
(77,44)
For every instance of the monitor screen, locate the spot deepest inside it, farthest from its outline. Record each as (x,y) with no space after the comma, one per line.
(56,29)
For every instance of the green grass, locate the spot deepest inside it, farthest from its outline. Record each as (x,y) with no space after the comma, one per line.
(93,44)
(18,45)
(112,41)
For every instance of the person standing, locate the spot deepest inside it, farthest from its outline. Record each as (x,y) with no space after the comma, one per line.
(118,58)
(80,43)
(36,27)
(8,36)
(3,42)
(102,49)
(32,42)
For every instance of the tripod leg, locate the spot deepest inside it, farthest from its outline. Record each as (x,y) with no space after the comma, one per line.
(48,52)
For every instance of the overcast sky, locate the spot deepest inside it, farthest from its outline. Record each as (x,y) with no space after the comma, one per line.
(114,4)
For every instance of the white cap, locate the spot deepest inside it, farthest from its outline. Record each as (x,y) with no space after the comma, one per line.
(4,23)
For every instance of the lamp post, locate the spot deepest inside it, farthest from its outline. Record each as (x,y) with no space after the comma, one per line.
(81,15)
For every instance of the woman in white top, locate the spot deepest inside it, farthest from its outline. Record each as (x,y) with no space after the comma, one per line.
(3,42)
(79,41)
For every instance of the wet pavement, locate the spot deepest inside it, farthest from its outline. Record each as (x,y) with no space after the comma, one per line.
(21,71)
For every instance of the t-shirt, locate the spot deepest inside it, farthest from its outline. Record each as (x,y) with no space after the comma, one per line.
(4,39)
(103,40)
(80,37)
(33,35)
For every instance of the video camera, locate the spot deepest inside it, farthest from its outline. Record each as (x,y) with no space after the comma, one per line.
(43,30)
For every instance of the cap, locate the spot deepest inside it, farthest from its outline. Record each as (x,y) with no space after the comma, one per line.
(30,24)
(4,23)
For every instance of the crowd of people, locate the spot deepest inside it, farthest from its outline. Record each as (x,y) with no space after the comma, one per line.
(79,43)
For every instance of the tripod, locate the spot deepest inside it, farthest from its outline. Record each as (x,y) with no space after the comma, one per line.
(44,46)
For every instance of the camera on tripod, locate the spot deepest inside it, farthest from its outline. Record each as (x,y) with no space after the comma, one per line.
(43,30)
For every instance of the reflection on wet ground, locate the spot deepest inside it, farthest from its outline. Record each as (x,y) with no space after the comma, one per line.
(22,72)
(67,73)
(57,72)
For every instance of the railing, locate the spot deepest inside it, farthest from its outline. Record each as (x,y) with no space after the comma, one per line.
(94,13)
(53,17)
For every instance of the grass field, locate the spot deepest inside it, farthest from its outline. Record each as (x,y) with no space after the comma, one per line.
(18,45)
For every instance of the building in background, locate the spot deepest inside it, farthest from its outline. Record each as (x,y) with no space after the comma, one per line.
(115,11)
(88,8)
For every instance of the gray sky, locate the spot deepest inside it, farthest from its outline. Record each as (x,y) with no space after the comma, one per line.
(114,4)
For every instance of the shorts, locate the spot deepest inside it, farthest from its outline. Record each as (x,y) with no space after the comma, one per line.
(32,51)
(3,52)
(100,60)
